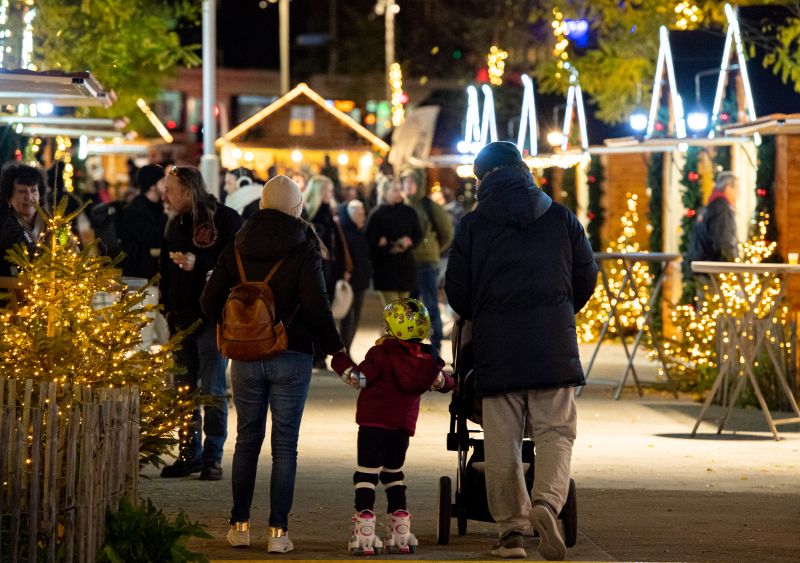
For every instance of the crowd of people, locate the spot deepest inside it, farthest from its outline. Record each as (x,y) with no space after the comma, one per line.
(304,235)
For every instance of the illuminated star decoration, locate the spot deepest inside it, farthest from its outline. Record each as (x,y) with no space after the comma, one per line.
(574,100)
(665,63)
(527,118)
(733,36)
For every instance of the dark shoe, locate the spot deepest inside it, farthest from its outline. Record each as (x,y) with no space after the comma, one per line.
(510,546)
(211,471)
(182,468)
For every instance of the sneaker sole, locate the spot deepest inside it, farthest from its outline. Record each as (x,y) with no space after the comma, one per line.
(551,544)
(509,553)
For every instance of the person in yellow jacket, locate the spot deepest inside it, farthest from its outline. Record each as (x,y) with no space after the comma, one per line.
(437,234)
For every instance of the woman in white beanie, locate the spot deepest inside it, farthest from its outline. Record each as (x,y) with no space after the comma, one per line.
(278,384)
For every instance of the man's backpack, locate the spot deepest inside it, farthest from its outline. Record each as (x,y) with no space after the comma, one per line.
(106,220)
(249,330)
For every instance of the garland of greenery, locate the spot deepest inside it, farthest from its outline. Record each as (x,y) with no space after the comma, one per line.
(765,189)
(595,213)
(692,198)
(568,198)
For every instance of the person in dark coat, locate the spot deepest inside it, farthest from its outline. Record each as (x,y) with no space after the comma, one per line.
(393,230)
(278,384)
(199,229)
(143,224)
(714,237)
(520,268)
(21,186)
(352,218)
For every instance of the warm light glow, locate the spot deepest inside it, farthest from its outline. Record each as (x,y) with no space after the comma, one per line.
(297,156)
(396,85)
(465,171)
(496,62)
(687,15)
(555,138)
(342,159)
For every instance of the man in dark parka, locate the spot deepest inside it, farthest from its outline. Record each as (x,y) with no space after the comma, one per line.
(520,268)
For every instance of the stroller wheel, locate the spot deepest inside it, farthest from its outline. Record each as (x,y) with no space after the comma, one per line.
(569,516)
(444,510)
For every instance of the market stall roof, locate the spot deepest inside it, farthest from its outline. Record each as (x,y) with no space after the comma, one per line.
(774,124)
(62,89)
(51,126)
(295,121)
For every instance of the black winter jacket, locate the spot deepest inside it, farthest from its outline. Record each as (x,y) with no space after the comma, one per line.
(393,272)
(359,251)
(180,290)
(12,233)
(714,236)
(520,268)
(143,224)
(298,285)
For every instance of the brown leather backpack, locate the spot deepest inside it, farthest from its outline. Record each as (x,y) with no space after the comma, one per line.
(249,331)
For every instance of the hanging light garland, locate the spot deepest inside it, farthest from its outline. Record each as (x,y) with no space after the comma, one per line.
(64,154)
(560,30)
(687,15)
(496,61)
(396,84)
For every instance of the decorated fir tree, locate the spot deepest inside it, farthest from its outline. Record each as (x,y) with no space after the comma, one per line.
(590,320)
(62,333)
(692,198)
(595,213)
(691,354)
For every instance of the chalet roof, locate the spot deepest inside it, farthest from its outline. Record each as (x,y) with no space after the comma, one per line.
(256,130)
(62,89)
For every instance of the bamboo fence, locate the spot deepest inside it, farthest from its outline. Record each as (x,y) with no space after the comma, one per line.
(67,456)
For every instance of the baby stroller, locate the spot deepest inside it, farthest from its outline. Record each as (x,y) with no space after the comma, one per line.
(470,495)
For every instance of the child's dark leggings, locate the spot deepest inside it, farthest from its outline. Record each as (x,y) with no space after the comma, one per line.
(381,454)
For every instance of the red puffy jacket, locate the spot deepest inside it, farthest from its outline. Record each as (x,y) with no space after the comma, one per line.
(397,373)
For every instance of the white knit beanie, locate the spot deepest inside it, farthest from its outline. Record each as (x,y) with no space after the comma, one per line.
(281,194)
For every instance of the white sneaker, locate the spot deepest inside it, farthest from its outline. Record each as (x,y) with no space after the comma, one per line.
(551,544)
(399,538)
(364,541)
(239,534)
(279,541)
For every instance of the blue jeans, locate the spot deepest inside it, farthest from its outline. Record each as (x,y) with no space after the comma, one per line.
(205,369)
(279,384)
(428,292)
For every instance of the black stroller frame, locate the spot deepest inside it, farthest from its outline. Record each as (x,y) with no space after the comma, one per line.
(470,501)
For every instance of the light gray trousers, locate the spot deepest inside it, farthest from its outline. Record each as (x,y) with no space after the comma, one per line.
(550,418)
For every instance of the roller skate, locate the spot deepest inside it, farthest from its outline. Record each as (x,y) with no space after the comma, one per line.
(399,538)
(364,541)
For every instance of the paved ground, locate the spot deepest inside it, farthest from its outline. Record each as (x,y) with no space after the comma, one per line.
(646,490)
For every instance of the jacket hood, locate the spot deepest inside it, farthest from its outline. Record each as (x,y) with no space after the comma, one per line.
(415,370)
(344,218)
(419,177)
(270,235)
(509,196)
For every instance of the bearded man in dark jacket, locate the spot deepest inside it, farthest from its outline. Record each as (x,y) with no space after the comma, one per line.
(520,268)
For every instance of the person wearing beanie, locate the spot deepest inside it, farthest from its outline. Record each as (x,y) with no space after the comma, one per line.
(282,194)
(520,268)
(437,233)
(274,235)
(142,224)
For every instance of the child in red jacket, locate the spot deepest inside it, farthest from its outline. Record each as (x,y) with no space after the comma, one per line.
(395,372)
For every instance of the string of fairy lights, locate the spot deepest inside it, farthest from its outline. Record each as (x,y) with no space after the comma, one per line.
(630,302)
(496,64)
(61,333)
(396,85)
(560,31)
(687,15)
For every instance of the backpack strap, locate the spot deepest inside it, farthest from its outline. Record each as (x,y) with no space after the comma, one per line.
(239,264)
(274,269)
